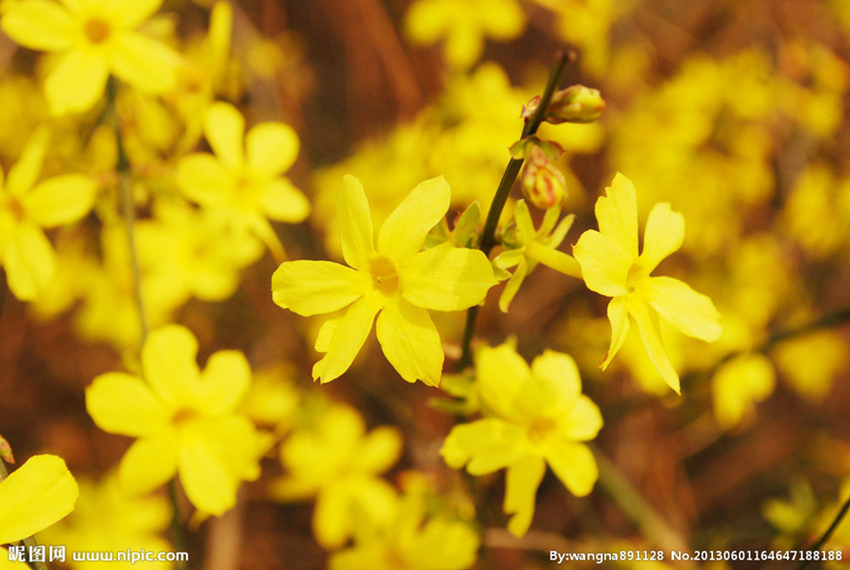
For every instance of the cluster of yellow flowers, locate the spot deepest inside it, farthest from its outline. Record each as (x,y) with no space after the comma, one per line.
(144,183)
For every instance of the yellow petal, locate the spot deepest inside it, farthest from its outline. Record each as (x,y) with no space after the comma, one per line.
(206,479)
(524,225)
(271,148)
(311,287)
(145,63)
(618,315)
(355,223)
(332,518)
(513,285)
(617,216)
(76,83)
(574,465)
(560,371)
(604,267)
(651,337)
(692,313)
(283,202)
(131,14)
(521,485)
(123,404)
(225,128)
(410,342)
(30,262)
(34,496)
(60,200)
(664,233)
(446,278)
(500,372)
(149,463)
(487,445)
(224,382)
(168,360)
(203,179)
(24,174)
(584,421)
(40,25)
(348,337)
(404,231)
(380,450)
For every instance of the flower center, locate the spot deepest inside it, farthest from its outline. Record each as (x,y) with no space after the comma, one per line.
(384,276)
(97,30)
(14,206)
(636,276)
(540,428)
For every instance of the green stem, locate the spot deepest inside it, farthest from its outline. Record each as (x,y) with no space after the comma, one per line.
(653,526)
(488,237)
(817,546)
(122,166)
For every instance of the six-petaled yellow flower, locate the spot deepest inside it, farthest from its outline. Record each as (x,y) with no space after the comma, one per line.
(538,416)
(95,38)
(391,277)
(185,420)
(611,266)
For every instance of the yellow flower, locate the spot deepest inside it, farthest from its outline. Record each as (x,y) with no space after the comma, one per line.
(184,419)
(539,416)
(738,385)
(95,38)
(464,25)
(611,266)
(246,186)
(392,277)
(27,207)
(337,462)
(414,537)
(34,496)
(525,247)
(107,519)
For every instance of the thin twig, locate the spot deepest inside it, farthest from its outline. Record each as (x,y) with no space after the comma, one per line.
(817,546)
(488,237)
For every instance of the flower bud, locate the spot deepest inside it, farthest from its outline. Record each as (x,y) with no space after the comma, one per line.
(542,183)
(575,104)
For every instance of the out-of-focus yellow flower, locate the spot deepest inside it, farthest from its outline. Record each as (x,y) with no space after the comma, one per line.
(393,278)
(539,416)
(26,207)
(410,539)
(107,519)
(463,24)
(244,178)
(184,419)
(95,38)
(525,248)
(339,464)
(738,385)
(34,496)
(611,266)
(191,253)
(810,363)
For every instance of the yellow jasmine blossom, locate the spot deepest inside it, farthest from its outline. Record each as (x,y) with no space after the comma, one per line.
(95,38)
(538,416)
(184,419)
(391,277)
(34,496)
(339,464)
(525,247)
(611,266)
(464,25)
(27,207)
(410,539)
(108,519)
(244,179)
(738,385)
